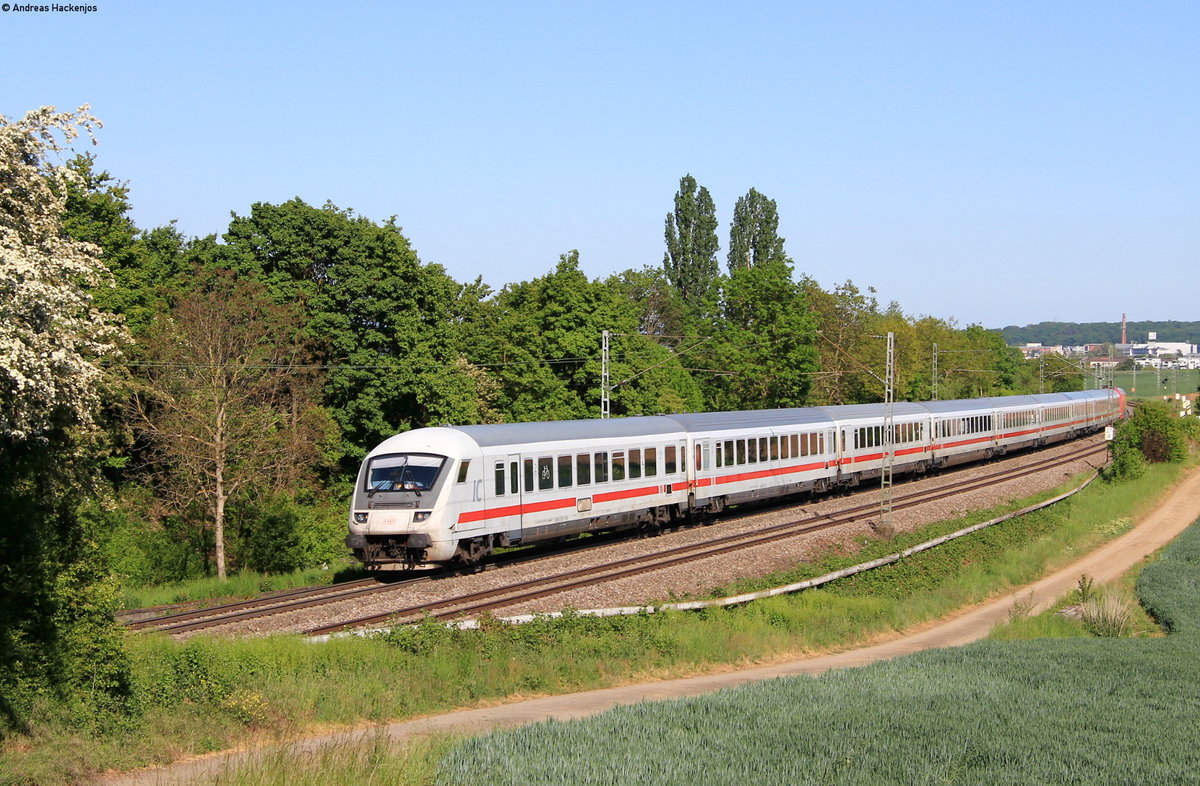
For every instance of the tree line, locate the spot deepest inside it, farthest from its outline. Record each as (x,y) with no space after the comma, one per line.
(179,406)
(1080,333)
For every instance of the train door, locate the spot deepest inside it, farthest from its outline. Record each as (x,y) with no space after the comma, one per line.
(701,475)
(515,496)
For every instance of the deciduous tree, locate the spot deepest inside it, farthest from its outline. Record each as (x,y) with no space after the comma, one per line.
(225,400)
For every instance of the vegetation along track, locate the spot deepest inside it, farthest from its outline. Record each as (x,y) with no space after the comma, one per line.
(524,591)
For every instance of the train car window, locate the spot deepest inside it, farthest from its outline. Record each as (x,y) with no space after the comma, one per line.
(601,466)
(775,448)
(683,458)
(528,475)
(720,461)
(618,465)
(741,451)
(796,445)
(763,450)
(752,451)
(545,473)
(785,447)
(583,469)
(651,462)
(462,471)
(729,453)
(821,443)
(669,466)
(499,478)
(564,471)
(512,478)
(635,463)
(699,458)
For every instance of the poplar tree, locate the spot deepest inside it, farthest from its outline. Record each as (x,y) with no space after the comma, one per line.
(691,235)
(754,234)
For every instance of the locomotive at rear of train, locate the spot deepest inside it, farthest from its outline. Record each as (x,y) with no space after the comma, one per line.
(436,496)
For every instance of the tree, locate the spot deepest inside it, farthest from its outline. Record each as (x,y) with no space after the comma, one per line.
(754,233)
(846,320)
(691,235)
(145,267)
(56,596)
(550,330)
(387,324)
(765,341)
(224,400)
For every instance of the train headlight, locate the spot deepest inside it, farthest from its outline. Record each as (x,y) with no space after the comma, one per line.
(360,518)
(421,515)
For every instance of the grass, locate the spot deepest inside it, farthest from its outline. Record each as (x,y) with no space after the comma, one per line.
(1150,384)
(238,586)
(209,694)
(377,761)
(1066,710)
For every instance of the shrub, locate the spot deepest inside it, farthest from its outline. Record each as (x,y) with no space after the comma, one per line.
(1154,434)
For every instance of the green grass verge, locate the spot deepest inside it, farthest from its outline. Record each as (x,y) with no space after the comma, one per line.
(239,586)
(209,694)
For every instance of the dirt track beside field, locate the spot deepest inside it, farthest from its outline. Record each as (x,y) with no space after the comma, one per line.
(1178,510)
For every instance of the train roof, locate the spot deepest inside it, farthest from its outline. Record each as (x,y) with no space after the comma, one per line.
(561,430)
(490,435)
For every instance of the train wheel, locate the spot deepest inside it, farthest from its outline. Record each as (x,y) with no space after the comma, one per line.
(471,552)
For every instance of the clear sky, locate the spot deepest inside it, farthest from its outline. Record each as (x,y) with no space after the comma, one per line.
(993,162)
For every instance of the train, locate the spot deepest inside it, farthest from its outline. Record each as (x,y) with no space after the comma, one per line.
(450,495)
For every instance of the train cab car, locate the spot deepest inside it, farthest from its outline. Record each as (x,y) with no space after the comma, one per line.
(452,494)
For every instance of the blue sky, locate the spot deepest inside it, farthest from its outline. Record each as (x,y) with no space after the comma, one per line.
(992,162)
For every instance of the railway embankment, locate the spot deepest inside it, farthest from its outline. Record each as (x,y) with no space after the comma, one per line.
(234,690)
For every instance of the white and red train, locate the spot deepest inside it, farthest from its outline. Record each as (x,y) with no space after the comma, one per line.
(435,496)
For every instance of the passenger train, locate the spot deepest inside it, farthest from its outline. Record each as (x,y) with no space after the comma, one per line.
(449,495)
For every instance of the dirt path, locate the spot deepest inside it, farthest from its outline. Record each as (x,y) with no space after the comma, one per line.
(1179,509)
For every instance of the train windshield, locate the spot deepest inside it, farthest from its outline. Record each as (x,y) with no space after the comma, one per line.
(404,472)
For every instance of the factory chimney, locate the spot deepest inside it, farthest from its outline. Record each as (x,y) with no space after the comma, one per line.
(1124,334)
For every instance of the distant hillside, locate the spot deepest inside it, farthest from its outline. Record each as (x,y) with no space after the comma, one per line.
(1073,333)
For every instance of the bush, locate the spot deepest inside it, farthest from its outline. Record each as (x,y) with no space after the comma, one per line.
(285,533)
(1154,434)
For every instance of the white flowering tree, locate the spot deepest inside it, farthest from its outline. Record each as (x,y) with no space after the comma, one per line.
(50,334)
(56,597)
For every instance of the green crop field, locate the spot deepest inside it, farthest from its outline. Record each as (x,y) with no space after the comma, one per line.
(1157,383)
(1097,711)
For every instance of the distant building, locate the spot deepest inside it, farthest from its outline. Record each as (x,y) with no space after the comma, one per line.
(1033,351)
(1156,349)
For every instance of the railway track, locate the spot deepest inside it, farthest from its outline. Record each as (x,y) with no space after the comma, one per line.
(521,592)
(191,618)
